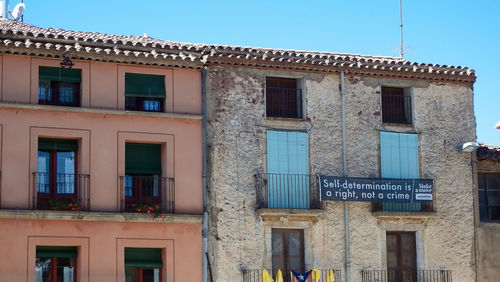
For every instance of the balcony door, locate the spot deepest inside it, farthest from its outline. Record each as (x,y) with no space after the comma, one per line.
(288,169)
(288,251)
(401,257)
(55,178)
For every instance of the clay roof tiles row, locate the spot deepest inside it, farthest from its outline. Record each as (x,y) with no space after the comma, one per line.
(488,152)
(91,45)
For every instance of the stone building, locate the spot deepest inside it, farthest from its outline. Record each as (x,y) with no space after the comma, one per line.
(101,164)
(275,121)
(488,212)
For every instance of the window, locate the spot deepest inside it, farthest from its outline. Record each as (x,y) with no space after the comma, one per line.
(399,159)
(401,256)
(56,264)
(142,174)
(144,92)
(287,170)
(57,86)
(143,265)
(288,250)
(396,106)
(283,99)
(489,196)
(55,178)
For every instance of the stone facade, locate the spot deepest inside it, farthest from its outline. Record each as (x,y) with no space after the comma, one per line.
(240,234)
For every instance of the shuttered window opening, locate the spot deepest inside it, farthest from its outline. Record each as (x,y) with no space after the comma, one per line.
(144,85)
(60,74)
(399,159)
(141,158)
(56,252)
(143,257)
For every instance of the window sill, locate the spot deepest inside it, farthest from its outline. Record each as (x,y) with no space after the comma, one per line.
(290,214)
(403,214)
(97,216)
(292,123)
(99,111)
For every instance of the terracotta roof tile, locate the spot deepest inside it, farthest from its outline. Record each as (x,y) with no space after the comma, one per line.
(488,152)
(22,38)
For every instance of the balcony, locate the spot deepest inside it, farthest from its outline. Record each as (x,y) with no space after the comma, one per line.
(406,275)
(255,275)
(61,191)
(287,191)
(143,191)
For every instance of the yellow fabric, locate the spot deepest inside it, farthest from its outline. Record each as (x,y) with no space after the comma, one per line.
(266,277)
(279,276)
(331,276)
(315,275)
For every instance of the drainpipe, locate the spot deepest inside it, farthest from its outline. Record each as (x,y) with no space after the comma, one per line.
(204,175)
(344,172)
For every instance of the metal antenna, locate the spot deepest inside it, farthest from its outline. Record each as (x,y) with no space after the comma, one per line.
(401,25)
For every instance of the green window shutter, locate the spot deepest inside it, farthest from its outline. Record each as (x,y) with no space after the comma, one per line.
(142,158)
(60,74)
(56,252)
(57,144)
(143,257)
(144,85)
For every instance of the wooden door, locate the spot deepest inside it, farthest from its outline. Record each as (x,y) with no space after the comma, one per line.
(288,251)
(401,257)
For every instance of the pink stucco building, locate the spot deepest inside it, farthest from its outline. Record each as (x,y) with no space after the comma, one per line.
(102,163)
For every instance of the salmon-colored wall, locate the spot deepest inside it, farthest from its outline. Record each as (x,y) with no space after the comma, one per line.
(102,154)
(101,136)
(100,247)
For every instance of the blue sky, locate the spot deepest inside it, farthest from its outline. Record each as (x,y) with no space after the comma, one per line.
(459,32)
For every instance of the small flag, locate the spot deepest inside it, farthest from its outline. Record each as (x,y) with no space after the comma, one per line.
(266,277)
(279,276)
(315,275)
(331,276)
(301,277)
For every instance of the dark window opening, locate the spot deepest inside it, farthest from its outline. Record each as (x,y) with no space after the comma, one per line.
(401,256)
(283,98)
(143,265)
(56,264)
(396,106)
(144,92)
(489,196)
(60,87)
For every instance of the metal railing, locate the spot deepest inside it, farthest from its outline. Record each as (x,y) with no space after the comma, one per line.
(406,275)
(396,108)
(137,190)
(255,275)
(283,102)
(406,207)
(61,191)
(287,191)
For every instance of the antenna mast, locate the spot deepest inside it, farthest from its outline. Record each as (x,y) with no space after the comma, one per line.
(401,25)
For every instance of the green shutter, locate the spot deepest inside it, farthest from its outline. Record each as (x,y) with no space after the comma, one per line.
(60,74)
(144,85)
(57,144)
(56,252)
(143,257)
(142,158)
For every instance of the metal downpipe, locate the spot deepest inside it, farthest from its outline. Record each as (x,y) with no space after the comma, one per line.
(344,172)
(204,232)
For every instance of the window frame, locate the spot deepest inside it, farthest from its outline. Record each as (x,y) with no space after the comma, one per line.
(55,87)
(54,264)
(278,110)
(285,252)
(135,97)
(400,114)
(486,190)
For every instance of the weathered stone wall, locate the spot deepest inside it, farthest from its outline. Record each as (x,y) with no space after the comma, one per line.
(240,237)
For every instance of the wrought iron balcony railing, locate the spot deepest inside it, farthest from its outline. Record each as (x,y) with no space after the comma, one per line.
(402,207)
(61,191)
(147,190)
(287,191)
(406,275)
(255,275)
